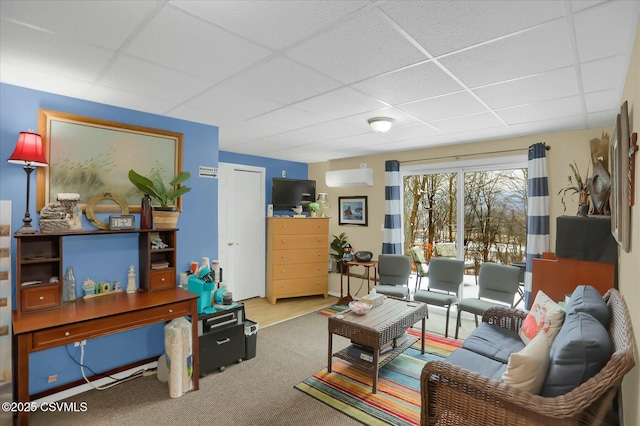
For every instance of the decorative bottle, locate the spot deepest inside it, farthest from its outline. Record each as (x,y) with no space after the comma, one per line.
(146,220)
(69,285)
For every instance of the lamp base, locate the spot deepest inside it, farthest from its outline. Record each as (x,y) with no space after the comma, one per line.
(27,229)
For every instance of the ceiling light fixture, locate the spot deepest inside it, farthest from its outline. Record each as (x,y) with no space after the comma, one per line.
(380,124)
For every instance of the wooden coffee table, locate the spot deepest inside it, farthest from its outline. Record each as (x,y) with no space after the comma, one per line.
(376,328)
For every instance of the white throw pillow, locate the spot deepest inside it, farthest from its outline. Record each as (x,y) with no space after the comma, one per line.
(545,315)
(527,369)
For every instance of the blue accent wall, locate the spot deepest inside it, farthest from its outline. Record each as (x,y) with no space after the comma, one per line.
(107,257)
(274,168)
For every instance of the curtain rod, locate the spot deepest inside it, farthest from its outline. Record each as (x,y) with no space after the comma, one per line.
(546,147)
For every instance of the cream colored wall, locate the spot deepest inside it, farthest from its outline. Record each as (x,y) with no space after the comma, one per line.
(565,148)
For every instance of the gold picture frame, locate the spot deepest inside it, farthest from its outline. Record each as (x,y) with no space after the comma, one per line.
(90,156)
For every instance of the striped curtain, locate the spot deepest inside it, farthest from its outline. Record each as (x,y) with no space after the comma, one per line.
(392,238)
(537,213)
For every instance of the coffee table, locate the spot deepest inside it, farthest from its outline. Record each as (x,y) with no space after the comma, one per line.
(376,328)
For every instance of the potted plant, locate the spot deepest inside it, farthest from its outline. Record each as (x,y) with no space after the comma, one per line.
(313,209)
(338,244)
(165,216)
(577,185)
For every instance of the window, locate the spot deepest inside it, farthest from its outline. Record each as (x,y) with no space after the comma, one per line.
(490,225)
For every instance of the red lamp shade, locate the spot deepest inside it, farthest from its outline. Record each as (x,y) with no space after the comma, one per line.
(29,150)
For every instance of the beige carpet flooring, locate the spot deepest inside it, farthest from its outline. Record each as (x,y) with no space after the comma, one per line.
(258,391)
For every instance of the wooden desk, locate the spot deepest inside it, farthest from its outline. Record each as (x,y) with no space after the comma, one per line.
(91,318)
(368,265)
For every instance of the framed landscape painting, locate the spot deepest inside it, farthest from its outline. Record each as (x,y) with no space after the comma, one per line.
(353,211)
(89,156)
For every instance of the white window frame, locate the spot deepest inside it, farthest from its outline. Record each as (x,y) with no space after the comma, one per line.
(461,167)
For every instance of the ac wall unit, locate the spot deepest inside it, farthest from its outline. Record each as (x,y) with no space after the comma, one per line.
(351,177)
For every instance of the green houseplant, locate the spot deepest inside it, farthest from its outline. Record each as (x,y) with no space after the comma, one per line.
(313,209)
(166,215)
(338,244)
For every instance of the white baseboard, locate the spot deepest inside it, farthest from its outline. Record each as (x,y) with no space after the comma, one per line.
(67,393)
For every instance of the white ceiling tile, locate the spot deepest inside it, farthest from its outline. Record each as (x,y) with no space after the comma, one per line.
(281,80)
(340,103)
(602,118)
(410,84)
(454,105)
(603,74)
(236,105)
(99,23)
(29,48)
(577,5)
(37,79)
(541,49)
(287,118)
(356,49)
(602,101)
(445,26)
(534,88)
(485,134)
(180,41)
(552,125)
(111,96)
(483,120)
(143,78)
(606,30)
(547,110)
(329,130)
(275,24)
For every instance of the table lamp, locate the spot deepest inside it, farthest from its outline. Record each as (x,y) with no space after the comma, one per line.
(30,154)
(322,200)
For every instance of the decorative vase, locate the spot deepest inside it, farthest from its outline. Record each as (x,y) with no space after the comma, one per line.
(69,285)
(313,214)
(146,217)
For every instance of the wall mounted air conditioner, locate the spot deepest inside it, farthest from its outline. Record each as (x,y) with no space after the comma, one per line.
(351,177)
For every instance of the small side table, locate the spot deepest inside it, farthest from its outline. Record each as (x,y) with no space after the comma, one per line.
(367,265)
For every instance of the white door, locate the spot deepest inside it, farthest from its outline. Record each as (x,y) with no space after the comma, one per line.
(241,231)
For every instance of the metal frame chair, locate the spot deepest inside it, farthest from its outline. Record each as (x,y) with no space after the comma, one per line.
(499,283)
(422,268)
(445,278)
(393,275)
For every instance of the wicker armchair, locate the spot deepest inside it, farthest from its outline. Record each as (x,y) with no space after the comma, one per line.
(455,396)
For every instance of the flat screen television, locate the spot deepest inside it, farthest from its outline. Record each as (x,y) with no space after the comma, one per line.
(289,193)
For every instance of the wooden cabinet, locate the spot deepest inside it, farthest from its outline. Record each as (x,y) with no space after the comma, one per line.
(151,278)
(297,257)
(39,258)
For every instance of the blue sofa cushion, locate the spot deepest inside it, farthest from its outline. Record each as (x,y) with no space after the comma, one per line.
(477,363)
(585,298)
(494,342)
(580,351)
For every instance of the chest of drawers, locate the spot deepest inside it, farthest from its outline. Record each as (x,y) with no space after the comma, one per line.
(297,257)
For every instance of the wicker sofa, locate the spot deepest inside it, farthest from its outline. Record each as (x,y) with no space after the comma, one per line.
(452,395)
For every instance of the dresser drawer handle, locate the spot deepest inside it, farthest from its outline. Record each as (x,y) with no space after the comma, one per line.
(223,341)
(284,241)
(66,334)
(283,256)
(162,279)
(41,298)
(170,311)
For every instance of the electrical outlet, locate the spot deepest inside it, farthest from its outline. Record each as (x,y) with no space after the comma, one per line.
(76,344)
(284,173)
(52,378)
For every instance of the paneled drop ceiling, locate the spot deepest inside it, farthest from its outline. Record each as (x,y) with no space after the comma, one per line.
(297,80)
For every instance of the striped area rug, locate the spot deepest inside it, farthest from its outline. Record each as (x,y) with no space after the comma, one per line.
(331,310)
(397,402)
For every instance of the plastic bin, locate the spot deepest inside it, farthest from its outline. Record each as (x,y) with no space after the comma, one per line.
(250,338)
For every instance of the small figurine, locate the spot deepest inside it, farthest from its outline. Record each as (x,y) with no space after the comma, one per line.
(131,284)
(158,244)
(347,253)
